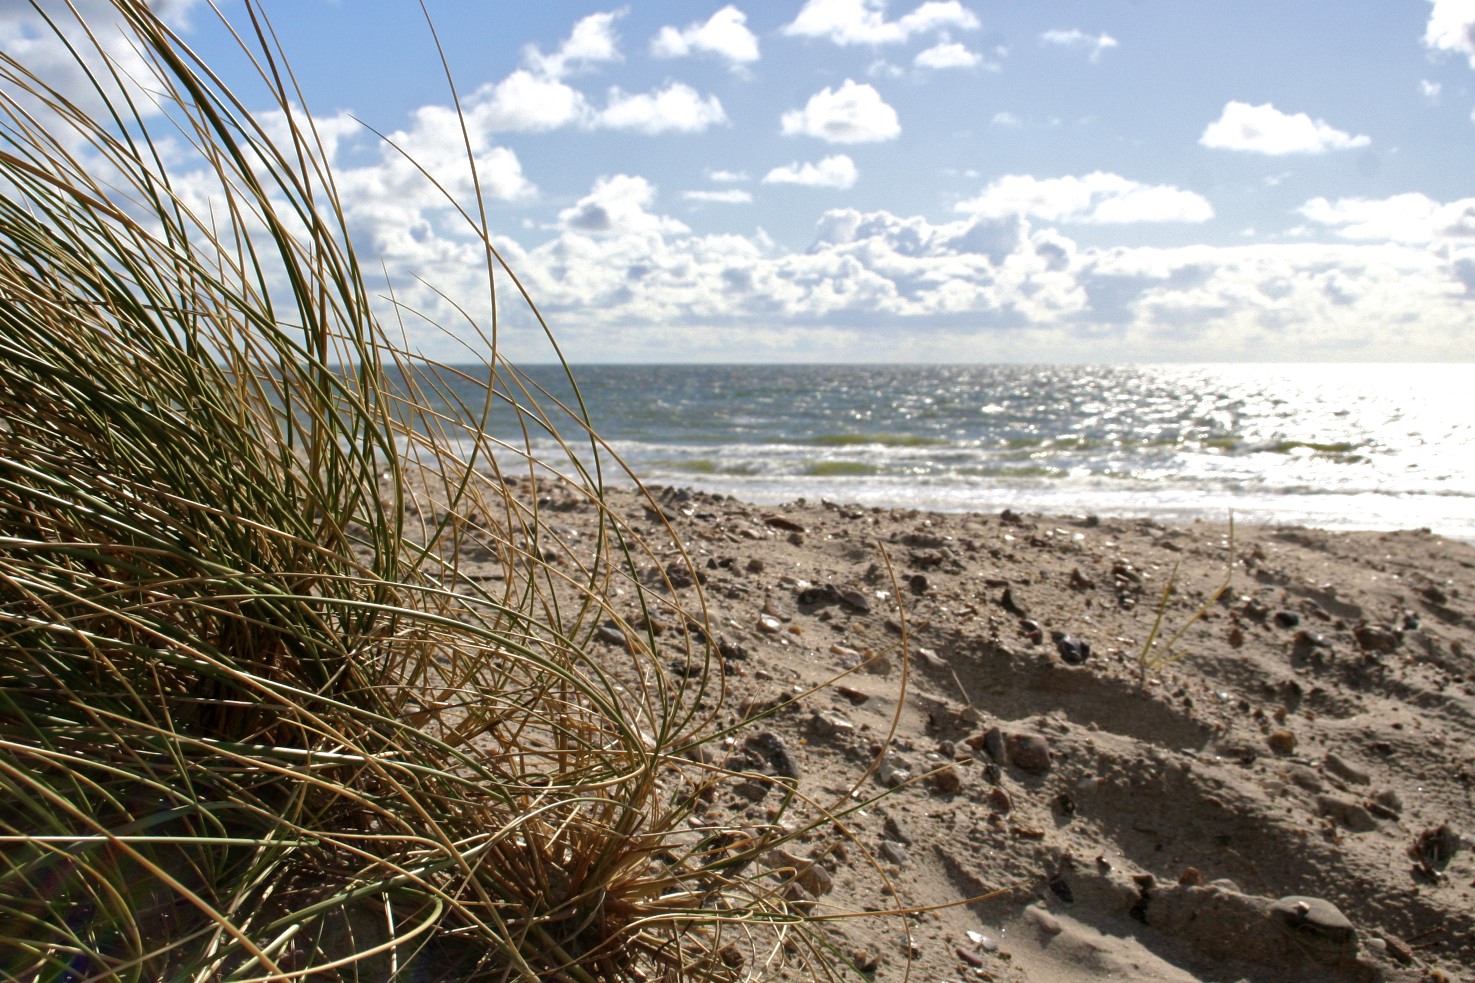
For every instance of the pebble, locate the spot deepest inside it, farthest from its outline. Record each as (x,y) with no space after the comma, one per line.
(1343,769)
(1281,741)
(1352,815)
(893,771)
(1314,918)
(612,635)
(999,801)
(896,853)
(772,747)
(1287,619)
(1072,650)
(1376,638)
(856,600)
(1028,752)
(947,780)
(827,723)
(769,625)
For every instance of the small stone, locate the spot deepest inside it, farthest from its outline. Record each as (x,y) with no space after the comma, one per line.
(856,600)
(755,565)
(896,853)
(772,747)
(1072,650)
(1236,636)
(1315,919)
(769,625)
(1350,814)
(970,956)
(1028,752)
(1287,619)
(893,771)
(1281,741)
(752,791)
(929,658)
(1191,877)
(1337,765)
(947,780)
(917,584)
(612,636)
(999,801)
(829,724)
(991,742)
(1376,638)
(865,960)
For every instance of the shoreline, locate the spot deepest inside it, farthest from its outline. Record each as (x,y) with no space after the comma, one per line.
(1311,737)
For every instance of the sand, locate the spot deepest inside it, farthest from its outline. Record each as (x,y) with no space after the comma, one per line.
(1285,796)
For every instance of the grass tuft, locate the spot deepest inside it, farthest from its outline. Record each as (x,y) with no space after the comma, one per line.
(259,720)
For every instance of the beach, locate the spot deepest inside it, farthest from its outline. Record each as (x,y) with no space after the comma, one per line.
(1284,792)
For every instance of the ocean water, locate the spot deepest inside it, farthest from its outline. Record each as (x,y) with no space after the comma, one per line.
(1335,446)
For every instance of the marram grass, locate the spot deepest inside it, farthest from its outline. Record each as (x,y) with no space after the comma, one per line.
(255,724)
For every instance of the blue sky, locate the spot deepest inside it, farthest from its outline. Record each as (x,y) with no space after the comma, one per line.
(951,180)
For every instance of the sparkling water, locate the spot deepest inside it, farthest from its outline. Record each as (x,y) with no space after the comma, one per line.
(1337,446)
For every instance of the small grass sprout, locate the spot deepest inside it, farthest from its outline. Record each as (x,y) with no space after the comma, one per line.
(1152,657)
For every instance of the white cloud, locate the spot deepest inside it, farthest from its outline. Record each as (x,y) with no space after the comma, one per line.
(1410,217)
(847,22)
(724,34)
(1266,130)
(1005,118)
(677,108)
(26,38)
(838,171)
(619,205)
(727,177)
(729,196)
(1076,38)
(527,102)
(1451,27)
(593,40)
(947,54)
(854,113)
(1096,198)
(1430,90)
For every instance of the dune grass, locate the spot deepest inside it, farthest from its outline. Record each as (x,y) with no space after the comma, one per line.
(256,719)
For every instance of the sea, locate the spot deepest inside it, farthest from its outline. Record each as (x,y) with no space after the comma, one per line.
(1341,446)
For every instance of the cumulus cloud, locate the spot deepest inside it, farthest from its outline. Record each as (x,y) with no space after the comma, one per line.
(722,176)
(677,108)
(838,171)
(593,40)
(29,40)
(728,196)
(847,22)
(947,54)
(854,113)
(1408,217)
(1264,129)
(524,101)
(1093,44)
(1451,28)
(724,34)
(619,205)
(1095,198)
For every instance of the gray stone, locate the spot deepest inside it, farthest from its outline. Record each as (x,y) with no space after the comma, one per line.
(1345,770)
(1350,814)
(896,853)
(1314,918)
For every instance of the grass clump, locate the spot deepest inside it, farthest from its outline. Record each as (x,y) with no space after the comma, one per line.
(256,720)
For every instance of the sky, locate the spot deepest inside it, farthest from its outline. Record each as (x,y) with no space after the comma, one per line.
(872,181)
